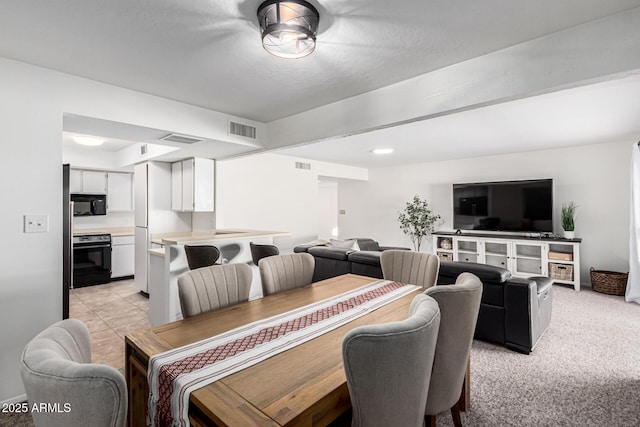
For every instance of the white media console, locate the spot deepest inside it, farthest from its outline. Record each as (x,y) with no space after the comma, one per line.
(556,258)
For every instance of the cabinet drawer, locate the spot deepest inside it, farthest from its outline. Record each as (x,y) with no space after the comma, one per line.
(122,240)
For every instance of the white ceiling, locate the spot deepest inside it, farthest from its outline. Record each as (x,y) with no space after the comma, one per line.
(208,53)
(604,112)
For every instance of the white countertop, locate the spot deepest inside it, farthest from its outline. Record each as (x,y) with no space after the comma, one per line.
(221,234)
(114,231)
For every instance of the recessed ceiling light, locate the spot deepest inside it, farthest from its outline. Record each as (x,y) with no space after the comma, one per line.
(88,140)
(382,151)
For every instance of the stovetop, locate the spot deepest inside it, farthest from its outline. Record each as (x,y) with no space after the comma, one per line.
(92,239)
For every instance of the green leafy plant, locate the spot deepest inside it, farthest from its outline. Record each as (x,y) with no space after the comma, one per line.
(568,215)
(417,220)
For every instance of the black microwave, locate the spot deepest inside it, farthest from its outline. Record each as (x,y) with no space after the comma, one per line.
(89,204)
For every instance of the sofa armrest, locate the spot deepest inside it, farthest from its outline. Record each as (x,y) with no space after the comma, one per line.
(396,248)
(521,314)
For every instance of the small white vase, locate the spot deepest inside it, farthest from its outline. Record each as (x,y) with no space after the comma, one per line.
(568,234)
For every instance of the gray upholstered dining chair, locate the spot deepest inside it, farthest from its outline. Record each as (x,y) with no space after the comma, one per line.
(388,367)
(459,306)
(57,370)
(283,272)
(417,268)
(214,287)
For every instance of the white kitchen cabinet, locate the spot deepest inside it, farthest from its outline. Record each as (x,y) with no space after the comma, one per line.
(94,182)
(192,185)
(556,258)
(75,181)
(119,192)
(87,181)
(122,256)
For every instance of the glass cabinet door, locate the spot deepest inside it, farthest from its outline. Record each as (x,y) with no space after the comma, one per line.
(528,259)
(467,250)
(496,253)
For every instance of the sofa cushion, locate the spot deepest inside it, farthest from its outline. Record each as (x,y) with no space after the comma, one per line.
(365,257)
(486,273)
(329,252)
(368,244)
(350,244)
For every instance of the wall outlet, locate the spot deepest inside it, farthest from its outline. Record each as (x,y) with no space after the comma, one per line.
(36,223)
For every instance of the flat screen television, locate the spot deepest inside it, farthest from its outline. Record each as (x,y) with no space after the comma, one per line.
(517,206)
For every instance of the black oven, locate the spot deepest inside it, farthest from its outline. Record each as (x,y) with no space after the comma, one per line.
(91,260)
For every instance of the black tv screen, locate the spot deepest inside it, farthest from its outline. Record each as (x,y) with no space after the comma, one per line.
(524,206)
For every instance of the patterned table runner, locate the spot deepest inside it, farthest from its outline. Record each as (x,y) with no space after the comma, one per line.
(174,374)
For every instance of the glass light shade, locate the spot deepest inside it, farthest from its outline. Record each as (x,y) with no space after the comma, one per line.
(88,140)
(288,27)
(382,151)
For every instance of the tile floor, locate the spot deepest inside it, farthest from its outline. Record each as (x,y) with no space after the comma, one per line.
(110,311)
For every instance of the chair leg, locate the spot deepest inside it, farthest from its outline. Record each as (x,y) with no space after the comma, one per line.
(455,414)
(430,421)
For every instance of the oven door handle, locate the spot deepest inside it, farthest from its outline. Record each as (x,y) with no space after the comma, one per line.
(91,247)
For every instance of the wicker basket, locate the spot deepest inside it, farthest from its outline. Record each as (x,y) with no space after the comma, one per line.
(445,256)
(561,271)
(608,282)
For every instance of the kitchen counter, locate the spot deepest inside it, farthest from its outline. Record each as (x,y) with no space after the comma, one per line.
(214,235)
(114,231)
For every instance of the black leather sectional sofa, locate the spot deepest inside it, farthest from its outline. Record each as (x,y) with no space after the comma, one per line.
(514,312)
(334,261)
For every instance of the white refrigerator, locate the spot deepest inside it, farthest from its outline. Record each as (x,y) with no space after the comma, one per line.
(153,214)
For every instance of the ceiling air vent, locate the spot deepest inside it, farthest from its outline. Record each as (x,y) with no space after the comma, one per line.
(302,165)
(239,129)
(182,139)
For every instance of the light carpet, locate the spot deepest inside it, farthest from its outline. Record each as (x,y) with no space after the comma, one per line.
(585,370)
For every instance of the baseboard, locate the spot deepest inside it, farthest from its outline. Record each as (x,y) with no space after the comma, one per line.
(14,400)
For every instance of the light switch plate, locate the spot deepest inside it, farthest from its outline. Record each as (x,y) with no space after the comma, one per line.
(36,223)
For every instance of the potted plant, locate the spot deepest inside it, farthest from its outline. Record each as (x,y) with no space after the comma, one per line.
(568,215)
(417,220)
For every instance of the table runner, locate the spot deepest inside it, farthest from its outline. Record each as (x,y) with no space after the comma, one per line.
(174,374)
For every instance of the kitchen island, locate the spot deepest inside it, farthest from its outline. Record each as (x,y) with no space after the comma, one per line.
(169,261)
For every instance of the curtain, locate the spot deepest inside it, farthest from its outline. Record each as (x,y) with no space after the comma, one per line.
(633,283)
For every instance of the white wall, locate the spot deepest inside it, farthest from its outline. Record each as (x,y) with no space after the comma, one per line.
(595,177)
(267,192)
(32,105)
(328,210)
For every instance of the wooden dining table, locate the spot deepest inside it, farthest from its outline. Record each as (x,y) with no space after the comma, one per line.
(303,386)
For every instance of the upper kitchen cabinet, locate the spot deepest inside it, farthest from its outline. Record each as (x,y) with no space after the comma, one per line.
(119,192)
(192,185)
(118,186)
(87,181)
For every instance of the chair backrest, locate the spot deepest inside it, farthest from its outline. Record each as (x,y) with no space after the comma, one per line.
(283,272)
(211,288)
(459,306)
(56,370)
(199,256)
(262,251)
(417,268)
(388,367)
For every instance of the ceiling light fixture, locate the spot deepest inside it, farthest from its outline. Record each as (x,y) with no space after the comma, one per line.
(88,140)
(382,151)
(288,27)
